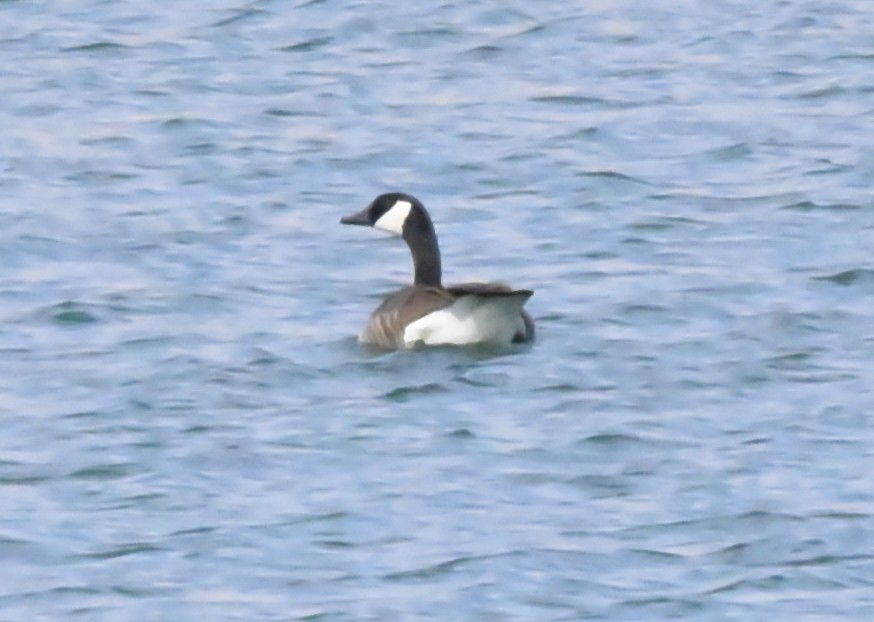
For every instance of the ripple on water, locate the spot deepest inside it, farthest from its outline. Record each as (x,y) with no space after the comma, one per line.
(405,394)
(810,206)
(856,276)
(70,313)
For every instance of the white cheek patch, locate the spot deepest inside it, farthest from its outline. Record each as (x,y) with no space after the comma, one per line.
(393,220)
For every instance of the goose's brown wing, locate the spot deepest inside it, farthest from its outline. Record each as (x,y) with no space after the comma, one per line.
(385,329)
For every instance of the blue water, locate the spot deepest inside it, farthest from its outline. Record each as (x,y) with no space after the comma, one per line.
(190,430)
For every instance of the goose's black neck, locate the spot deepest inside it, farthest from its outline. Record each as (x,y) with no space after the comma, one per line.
(420,237)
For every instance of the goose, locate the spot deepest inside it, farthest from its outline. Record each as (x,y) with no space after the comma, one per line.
(426,312)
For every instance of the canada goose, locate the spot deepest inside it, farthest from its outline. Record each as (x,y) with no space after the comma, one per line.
(426,312)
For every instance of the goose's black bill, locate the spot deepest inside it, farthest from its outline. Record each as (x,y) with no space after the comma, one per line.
(359,218)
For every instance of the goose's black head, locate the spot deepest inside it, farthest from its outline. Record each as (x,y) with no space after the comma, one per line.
(391,212)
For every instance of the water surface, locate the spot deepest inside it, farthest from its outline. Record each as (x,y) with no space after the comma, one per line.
(191,430)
